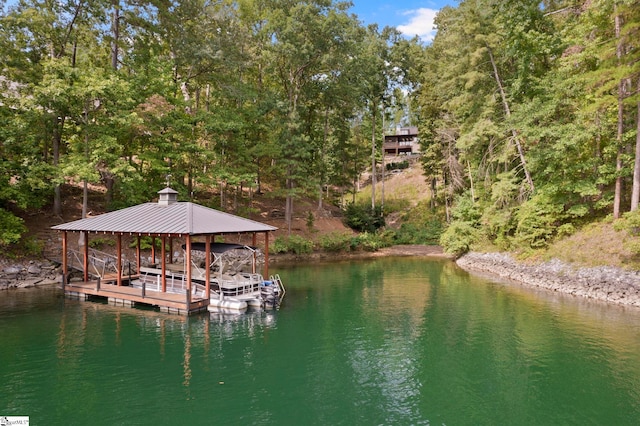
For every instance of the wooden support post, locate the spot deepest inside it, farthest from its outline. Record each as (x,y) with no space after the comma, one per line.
(85,258)
(254,241)
(188,269)
(138,255)
(65,265)
(164,264)
(119,261)
(266,255)
(207,271)
(98,284)
(144,288)
(153,250)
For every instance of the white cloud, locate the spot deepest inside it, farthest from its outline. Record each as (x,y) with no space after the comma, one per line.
(420,24)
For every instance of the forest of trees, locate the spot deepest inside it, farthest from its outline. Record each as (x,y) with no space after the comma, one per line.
(528,111)
(529,114)
(218,94)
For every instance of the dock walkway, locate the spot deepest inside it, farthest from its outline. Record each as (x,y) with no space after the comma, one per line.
(130,296)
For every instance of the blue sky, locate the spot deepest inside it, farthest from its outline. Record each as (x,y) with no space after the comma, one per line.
(410,17)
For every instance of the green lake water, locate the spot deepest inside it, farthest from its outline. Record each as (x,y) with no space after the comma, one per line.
(394,341)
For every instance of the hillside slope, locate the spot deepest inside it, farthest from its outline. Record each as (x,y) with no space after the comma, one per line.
(594,245)
(597,244)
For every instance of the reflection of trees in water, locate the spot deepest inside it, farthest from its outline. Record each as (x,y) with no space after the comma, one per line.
(162,339)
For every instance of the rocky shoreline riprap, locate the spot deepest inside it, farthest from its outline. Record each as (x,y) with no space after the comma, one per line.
(27,274)
(606,283)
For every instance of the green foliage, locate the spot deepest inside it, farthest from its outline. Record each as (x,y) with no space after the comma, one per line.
(397,166)
(466,210)
(310,221)
(401,203)
(375,241)
(287,95)
(11,228)
(337,242)
(536,222)
(32,246)
(630,223)
(29,246)
(505,190)
(362,218)
(292,244)
(99,243)
(459,237)
(246,211)
(499,226)
(419,233)
(463,231)
(340,242)
(510,88)
(421,224)
(146,243)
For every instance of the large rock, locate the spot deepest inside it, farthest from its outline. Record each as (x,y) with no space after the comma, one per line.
(29,274)
(12,271)
(34,270)
(30,282)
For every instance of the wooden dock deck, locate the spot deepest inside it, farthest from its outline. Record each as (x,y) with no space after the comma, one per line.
(130,296)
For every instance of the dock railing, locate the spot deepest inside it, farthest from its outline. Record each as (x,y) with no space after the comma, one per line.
(176,283)
(100,263)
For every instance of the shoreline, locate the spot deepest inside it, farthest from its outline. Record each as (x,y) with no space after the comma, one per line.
(604,283)
(397,250)
(35,272)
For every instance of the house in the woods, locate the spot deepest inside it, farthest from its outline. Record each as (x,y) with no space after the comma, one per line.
(403,142)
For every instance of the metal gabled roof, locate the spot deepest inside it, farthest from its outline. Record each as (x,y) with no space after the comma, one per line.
(176,218)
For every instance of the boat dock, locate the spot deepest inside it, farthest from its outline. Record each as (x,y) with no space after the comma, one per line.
(123,282)
(129,296)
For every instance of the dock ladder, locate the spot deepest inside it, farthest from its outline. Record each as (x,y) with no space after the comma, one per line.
(278,281)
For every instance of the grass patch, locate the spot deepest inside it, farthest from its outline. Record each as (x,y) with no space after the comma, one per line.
(596,244)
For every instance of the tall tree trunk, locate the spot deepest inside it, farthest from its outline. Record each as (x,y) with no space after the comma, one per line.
(617,197)
(293,93)
(288,210)
(85,184)
(373,157)
(383,176)
(507,112)
(58,123)
(325,136)
(473,194)
(434,188)
(107,176)
(635,194)
(105,173)
(115,34)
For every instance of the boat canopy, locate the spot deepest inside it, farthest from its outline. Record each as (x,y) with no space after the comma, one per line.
(218,247)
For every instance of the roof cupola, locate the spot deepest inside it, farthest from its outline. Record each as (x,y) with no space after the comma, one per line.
(167,196)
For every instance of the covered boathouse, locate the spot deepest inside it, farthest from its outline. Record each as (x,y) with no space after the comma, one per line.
(167,219)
